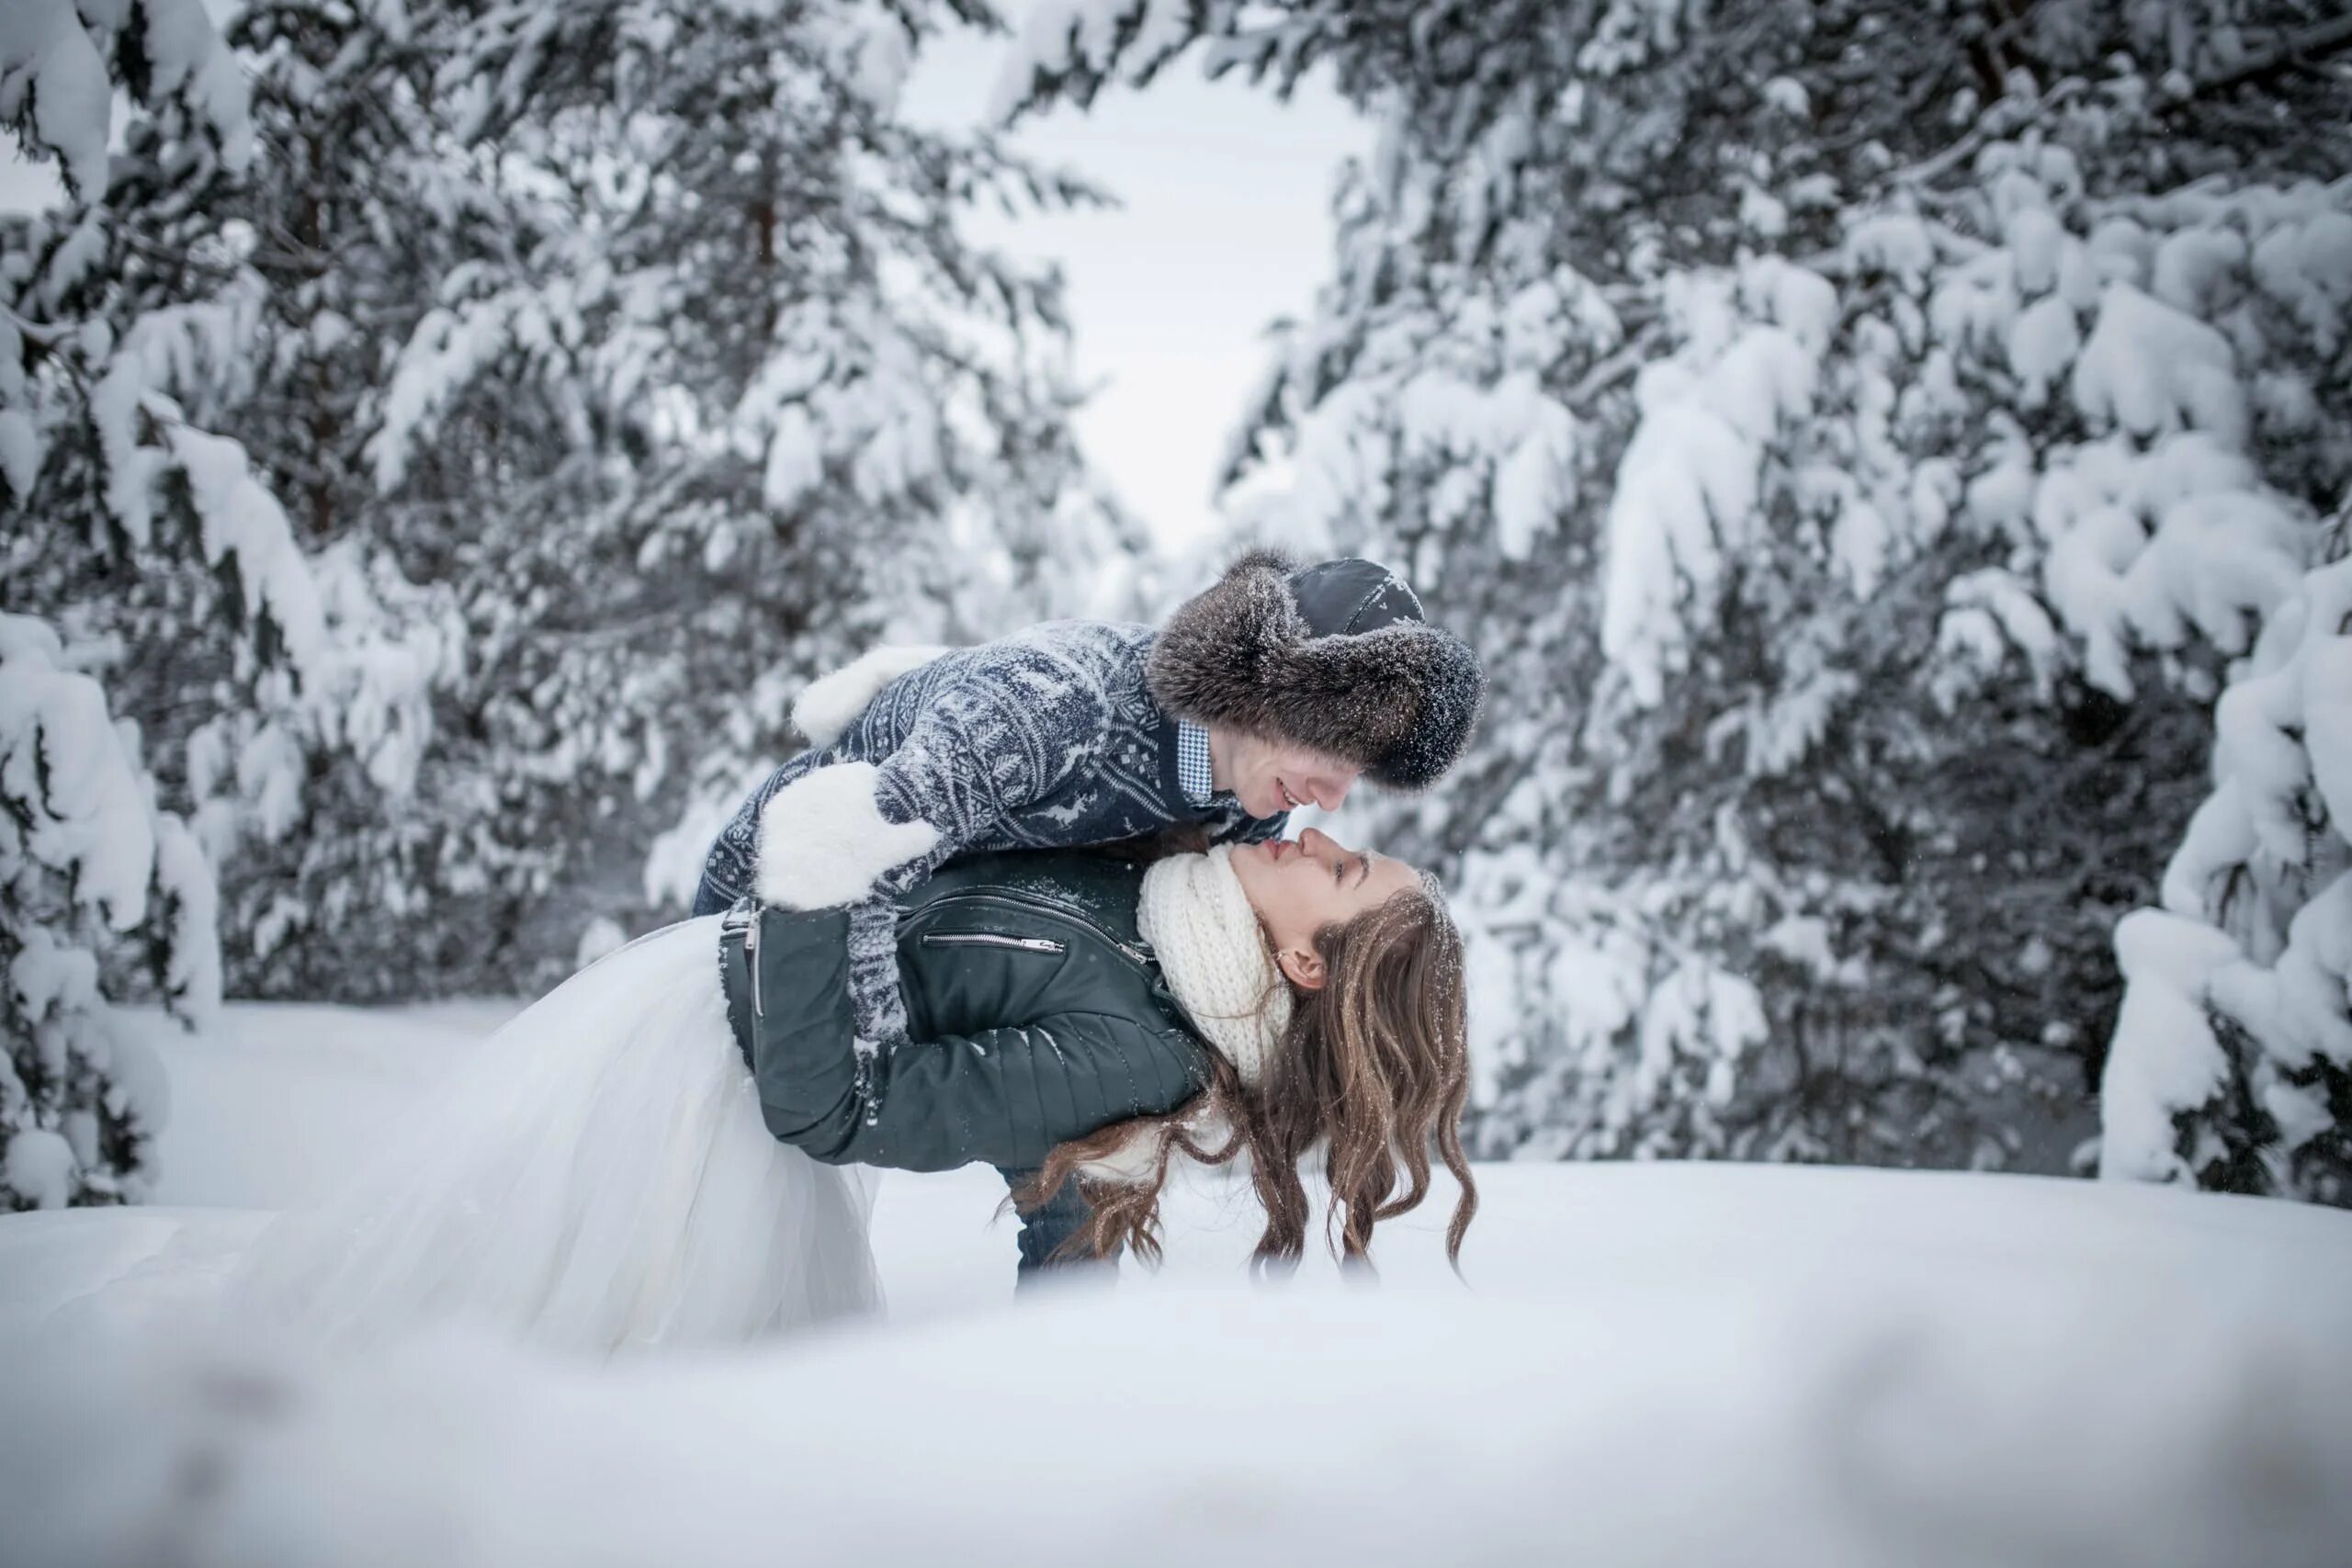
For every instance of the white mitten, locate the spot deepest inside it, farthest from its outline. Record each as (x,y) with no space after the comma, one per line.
(823,842)
(830,704)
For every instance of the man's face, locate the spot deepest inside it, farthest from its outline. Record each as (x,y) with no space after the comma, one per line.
(1269,777)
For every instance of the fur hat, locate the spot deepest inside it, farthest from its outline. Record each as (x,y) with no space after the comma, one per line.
(1337,657)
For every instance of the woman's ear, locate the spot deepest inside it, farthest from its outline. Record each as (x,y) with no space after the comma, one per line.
(1303,966)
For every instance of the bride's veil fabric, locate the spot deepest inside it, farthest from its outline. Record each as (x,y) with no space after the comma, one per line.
(596,1177)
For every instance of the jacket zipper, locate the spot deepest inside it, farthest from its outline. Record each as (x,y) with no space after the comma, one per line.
(1057,909)
(1053,907)
(991,939)
(752,962)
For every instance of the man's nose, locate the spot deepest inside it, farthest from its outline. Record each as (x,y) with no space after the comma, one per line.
(1332,793)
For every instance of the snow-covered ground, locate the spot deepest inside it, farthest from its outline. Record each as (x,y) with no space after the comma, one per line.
(1648,1364)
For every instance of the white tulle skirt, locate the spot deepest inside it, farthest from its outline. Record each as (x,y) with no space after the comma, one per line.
(596,1179)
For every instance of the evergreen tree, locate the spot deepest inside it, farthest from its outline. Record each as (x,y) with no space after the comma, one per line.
(131,524)
(1858,437)
(644,335)
(92,879)
(2231,1064)
(142,334)
(722,395)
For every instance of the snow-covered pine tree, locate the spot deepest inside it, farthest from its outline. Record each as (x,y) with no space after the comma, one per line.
(92,879)
(148,550)
(735,397)
(646,337)
(1856,434)
(366,206)
(2231,1060)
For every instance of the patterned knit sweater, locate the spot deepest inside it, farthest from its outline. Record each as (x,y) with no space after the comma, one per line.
(1044,739)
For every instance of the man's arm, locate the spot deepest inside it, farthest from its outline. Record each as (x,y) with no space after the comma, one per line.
(988,743)
(987,746)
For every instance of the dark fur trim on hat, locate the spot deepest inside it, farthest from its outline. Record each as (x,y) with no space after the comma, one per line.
(1398,702)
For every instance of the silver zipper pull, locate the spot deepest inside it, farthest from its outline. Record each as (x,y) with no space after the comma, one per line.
(991,939)
(752,959)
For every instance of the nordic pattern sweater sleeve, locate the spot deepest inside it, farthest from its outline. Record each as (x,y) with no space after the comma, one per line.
(982,750)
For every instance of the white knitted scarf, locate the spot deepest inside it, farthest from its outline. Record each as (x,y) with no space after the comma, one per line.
(1198,919)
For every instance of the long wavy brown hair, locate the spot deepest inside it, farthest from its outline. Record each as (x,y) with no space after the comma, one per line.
(1374,1066)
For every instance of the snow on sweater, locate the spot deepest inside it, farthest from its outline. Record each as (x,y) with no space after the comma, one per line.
(1047,739)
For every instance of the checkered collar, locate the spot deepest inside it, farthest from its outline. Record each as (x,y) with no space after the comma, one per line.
(1196,776)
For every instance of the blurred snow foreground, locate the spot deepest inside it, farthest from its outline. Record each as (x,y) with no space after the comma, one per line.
(1651,1363)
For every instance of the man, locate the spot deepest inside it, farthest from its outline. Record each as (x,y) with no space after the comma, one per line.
(1277,687)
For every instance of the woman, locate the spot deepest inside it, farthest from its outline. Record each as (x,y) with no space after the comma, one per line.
(600,1179)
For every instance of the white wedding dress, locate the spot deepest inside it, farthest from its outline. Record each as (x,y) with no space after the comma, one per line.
(596,1179)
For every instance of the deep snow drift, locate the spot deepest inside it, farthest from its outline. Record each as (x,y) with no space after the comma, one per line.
(1650,1364)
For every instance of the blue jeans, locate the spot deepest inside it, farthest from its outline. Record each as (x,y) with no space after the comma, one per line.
(1045,1228)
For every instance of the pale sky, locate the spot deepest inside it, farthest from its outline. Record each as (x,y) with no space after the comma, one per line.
(1225,225)
(25,187)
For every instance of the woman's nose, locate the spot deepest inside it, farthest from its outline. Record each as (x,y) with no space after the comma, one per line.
(1323,845)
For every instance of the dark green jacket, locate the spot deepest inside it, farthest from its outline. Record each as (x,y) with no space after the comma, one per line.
(1036,1015)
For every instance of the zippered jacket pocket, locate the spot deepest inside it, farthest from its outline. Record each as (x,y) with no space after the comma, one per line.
(991,939)
(1027,908)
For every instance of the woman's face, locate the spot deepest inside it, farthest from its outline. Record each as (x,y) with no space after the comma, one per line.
(1300,887)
